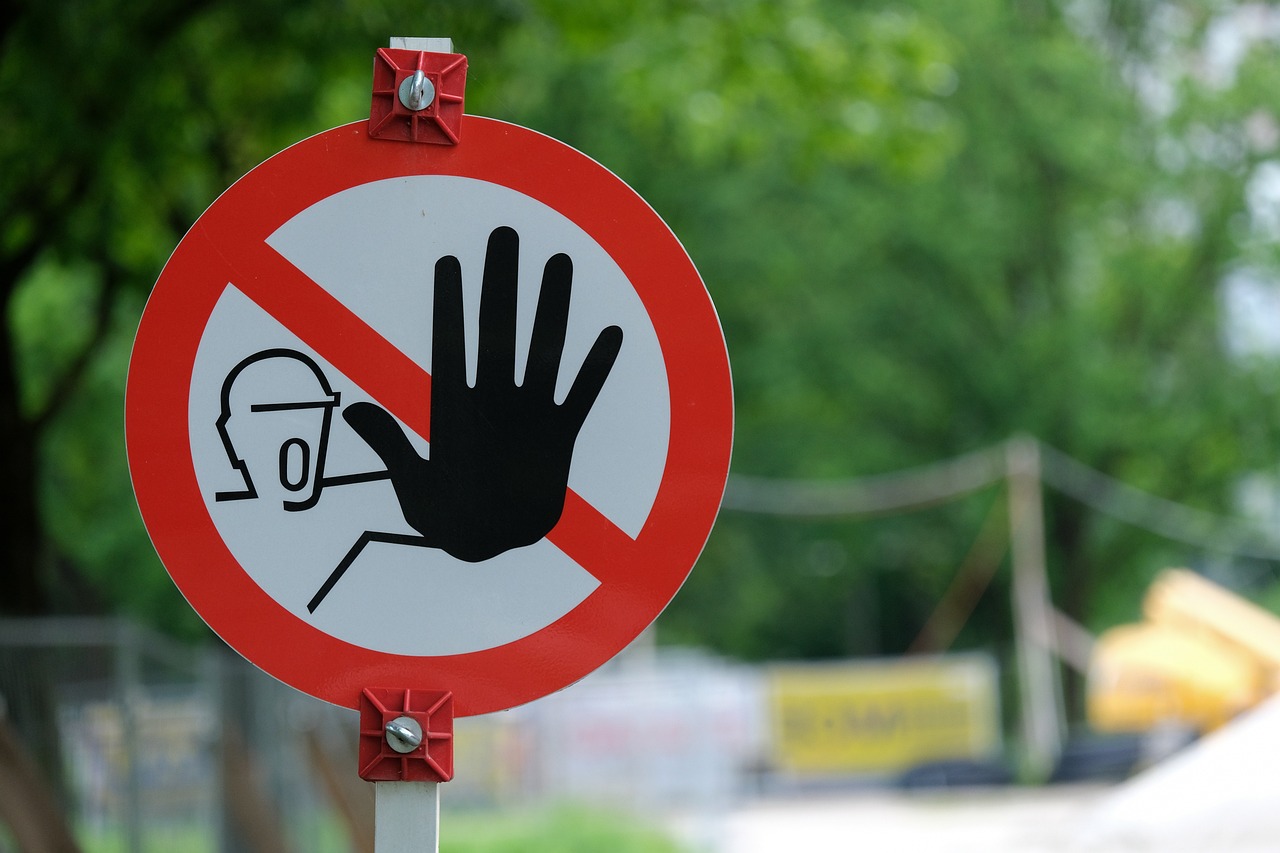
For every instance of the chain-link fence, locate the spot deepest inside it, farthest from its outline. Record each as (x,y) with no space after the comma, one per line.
(153,747)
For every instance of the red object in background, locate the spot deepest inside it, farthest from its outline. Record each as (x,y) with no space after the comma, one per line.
(440,121)
(430,761)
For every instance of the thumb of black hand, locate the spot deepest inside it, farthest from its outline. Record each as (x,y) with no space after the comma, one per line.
(383,434)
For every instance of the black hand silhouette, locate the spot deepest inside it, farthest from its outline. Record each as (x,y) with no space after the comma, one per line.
(500,452)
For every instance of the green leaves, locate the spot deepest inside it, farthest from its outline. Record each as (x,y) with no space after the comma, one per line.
(796,83)
(926,226)
(119,123)
(925,231)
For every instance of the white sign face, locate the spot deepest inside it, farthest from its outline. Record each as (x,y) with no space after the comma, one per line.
(294,490)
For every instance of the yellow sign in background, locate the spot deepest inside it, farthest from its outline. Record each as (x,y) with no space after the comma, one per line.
(883,716)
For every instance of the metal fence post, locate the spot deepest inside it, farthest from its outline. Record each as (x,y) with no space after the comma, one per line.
(128,689)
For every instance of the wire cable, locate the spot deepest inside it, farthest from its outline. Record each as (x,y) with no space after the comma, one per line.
(900,491)
(927,486)
(1171,520)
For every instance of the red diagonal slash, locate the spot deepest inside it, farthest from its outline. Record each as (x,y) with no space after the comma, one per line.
(398,383)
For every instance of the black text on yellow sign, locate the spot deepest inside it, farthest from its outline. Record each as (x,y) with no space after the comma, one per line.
(883,717)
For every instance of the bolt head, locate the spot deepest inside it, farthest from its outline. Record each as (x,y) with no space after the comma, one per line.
(416,92)
(404,734)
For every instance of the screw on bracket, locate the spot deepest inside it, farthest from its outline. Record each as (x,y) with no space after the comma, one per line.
(404,734)
(417,92)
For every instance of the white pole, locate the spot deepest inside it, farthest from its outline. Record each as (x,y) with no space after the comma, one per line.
(430,45)
(406,817)
(1042,712)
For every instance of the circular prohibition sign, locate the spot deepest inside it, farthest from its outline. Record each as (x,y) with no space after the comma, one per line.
(638,572)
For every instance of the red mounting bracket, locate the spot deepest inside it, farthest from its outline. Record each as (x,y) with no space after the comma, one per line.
(406,735)
(417,96)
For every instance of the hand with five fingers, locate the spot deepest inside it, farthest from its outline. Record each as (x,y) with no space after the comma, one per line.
(499,458)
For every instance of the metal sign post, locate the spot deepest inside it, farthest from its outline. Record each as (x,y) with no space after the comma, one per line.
(400,752)
(406,817)
(406,750)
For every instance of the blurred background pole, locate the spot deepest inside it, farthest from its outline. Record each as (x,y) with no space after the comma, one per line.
(129,687)
(1041,691)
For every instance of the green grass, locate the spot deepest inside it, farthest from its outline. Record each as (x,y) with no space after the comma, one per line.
(559,830)
(170,840)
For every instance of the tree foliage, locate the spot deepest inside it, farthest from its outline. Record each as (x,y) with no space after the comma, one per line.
(993,219)
(119,123)
(926,226)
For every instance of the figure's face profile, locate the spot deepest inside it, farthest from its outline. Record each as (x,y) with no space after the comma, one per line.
(277,407)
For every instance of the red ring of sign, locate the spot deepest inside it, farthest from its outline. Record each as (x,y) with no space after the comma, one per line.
(638,577)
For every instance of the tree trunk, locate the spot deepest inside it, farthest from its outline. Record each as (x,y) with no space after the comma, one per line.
(21,534)
(27,802)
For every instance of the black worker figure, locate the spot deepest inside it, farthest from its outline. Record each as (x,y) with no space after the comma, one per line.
(276,410)
(498,468)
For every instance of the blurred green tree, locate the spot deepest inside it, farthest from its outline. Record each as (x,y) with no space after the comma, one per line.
(929,227)
(119,123)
